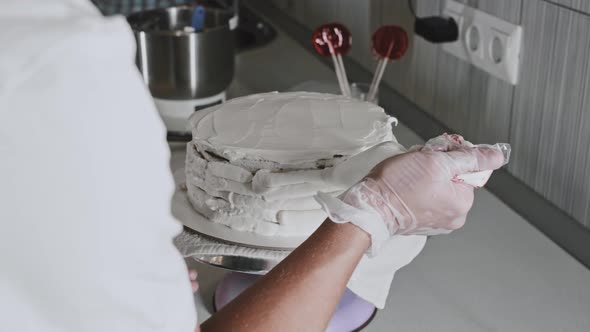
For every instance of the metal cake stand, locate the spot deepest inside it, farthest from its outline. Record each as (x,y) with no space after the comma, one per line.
(229,260)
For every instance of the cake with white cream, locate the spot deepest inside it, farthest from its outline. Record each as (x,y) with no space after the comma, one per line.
(256,162)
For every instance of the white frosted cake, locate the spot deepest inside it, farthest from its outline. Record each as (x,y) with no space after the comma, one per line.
(256,162)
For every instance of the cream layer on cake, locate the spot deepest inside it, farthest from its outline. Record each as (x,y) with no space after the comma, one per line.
(290,130)
(256,162)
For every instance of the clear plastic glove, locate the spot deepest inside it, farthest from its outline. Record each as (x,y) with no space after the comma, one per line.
(448,142)
(416,193)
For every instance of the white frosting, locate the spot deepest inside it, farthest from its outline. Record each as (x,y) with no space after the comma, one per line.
(290,128)
(229,171)
(340,176)
(282,129)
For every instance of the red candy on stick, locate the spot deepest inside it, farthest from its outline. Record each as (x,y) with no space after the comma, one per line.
(334,40)
(390,42)
(335,34)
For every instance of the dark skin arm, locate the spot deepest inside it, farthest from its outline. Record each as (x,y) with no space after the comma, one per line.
(319,269)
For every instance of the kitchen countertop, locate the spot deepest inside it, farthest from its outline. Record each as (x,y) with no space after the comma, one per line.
(498,273)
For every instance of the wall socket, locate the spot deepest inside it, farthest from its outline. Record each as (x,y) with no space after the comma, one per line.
(485,41)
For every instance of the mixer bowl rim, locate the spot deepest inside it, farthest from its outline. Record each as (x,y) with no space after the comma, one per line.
(179,33)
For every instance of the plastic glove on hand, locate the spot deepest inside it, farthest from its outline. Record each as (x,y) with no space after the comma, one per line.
(448,142)
(416,193)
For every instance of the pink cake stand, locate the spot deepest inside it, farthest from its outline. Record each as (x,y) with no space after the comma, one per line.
(352,313)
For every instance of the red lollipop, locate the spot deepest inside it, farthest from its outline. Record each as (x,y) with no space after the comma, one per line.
(390,42)
(334,39)
(334,34)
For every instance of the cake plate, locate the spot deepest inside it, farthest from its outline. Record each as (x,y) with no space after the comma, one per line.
(249,255)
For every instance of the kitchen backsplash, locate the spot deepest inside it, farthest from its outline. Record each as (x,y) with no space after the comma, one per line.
(545,117)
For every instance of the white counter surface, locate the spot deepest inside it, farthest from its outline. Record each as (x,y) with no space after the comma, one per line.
(498,273)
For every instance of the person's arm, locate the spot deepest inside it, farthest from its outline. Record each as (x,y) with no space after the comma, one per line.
(404,195)
(302,292)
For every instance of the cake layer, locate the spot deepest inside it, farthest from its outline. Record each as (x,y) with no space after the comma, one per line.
(289,130)
(237,205)
(253,219)
(287,210)
(256,162)
(199,168)
(339,177)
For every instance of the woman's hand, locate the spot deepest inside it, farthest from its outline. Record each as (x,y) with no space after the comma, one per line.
(415,193)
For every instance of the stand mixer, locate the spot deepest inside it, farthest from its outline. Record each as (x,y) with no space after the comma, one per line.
(186,68)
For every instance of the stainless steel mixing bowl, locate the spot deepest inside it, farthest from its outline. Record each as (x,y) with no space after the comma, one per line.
(179,63)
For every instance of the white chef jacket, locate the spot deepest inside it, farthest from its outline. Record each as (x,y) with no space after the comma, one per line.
(86,231)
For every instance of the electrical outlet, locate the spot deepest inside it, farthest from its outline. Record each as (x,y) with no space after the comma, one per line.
(485,41)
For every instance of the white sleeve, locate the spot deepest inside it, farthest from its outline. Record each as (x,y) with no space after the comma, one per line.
(85,189)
